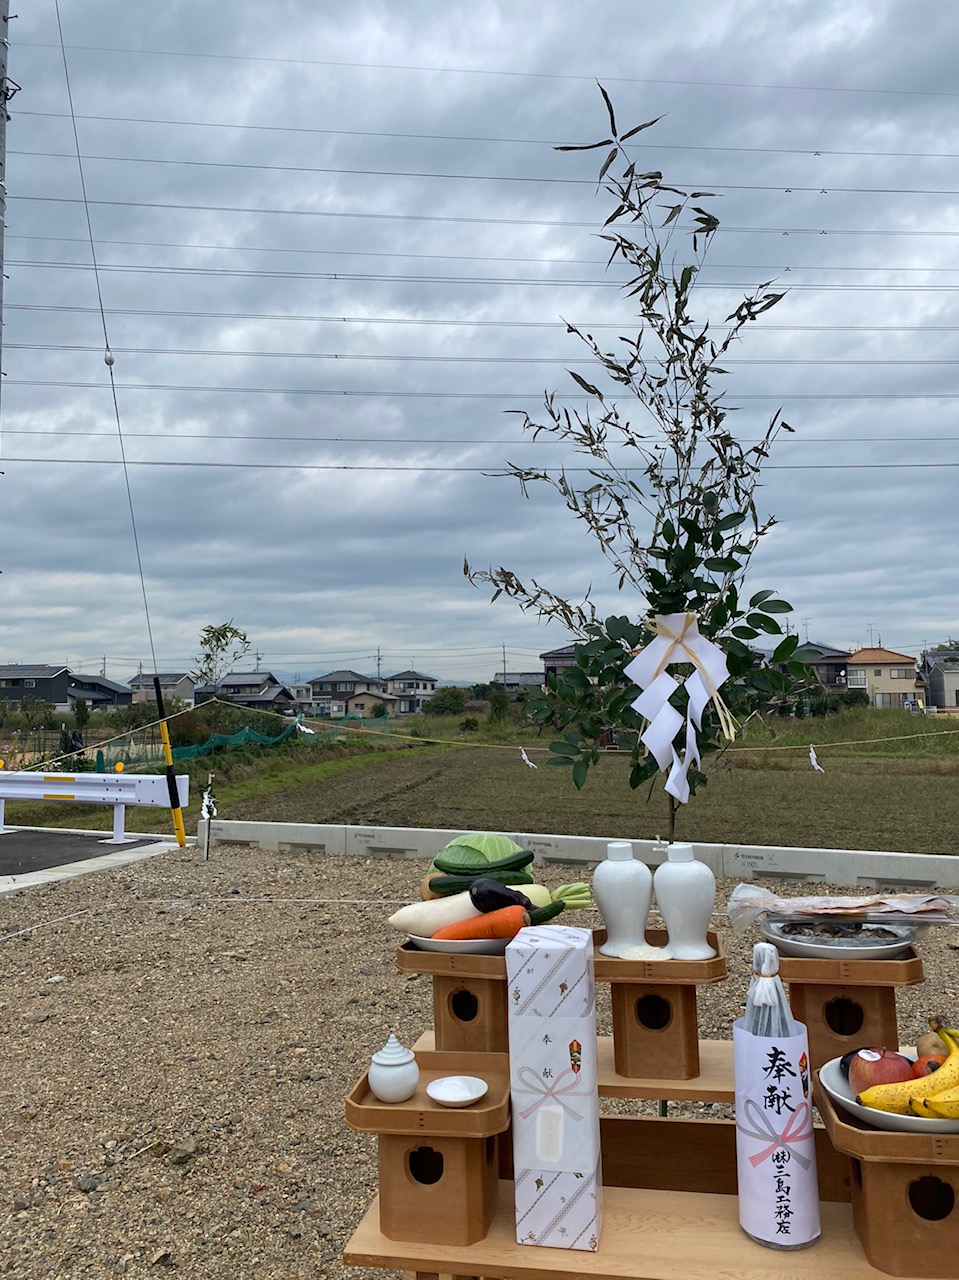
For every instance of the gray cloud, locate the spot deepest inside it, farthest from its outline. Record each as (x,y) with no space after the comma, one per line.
(268,306)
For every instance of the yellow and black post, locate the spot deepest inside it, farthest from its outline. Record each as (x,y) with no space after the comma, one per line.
(175,809)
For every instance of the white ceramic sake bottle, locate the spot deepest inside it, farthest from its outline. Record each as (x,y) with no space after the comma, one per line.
(685,894)
(623,889)
(394,1073)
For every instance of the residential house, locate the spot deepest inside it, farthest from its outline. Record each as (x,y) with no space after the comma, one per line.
(513,680)
(557,660)
(99,693)
(59,687)
(303,696)
(21,680)
(829,665)
(361,704)
(256,690)
(173,684)
(412,690)
(941,673)
(330,691)
(888,678)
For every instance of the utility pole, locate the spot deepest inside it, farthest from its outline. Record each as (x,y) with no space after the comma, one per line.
(504,665)
(379,662)
(870,627)
(7,90)
(805,622)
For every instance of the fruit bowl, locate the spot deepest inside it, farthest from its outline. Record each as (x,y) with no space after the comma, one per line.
(837,1086)
(467,947)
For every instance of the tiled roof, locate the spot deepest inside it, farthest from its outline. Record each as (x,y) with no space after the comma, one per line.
(340,677)
(877,657)
(29,671)
(168,677)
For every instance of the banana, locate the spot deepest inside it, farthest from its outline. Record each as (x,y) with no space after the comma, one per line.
(943,1106)
(898,1098)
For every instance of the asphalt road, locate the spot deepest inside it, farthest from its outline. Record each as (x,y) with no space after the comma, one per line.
(24,851)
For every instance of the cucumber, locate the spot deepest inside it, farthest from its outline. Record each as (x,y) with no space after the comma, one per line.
(513,862)
(447,884)
(541,915)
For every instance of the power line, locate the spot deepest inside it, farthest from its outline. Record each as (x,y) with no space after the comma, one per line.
(809,152)
(787,187)
(251,273)
(459,257)
(108,357)
(492,470)
(345,356)
(483,71)
(453,323)
(460,441)
(480,221)
(536,394)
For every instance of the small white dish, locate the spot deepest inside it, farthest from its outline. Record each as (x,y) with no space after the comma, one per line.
(809,948)
(457,1091)
(837,1086)
(467,947)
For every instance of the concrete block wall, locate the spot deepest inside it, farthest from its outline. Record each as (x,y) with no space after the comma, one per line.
(854,869)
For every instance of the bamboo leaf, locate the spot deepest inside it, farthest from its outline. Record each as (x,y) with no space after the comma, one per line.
(609,108)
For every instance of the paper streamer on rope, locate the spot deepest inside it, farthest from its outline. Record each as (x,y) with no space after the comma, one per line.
(814,762)
(678,640)
(527,760)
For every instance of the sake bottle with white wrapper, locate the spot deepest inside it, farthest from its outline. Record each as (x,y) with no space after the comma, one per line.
(775,1148)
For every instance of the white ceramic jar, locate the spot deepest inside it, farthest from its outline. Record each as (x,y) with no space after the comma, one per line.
(393,1073)
(623,889)
(685,894)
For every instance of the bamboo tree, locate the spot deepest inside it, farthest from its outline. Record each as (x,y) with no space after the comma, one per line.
(678,521)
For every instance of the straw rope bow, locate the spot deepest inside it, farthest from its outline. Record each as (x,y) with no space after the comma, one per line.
(678,640)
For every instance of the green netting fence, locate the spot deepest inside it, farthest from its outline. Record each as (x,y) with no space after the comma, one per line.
(152,753)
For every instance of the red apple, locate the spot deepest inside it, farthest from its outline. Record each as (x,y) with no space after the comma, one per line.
(928,1063)
(878,1066)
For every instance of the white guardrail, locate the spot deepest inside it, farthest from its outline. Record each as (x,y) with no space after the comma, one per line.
(117,789)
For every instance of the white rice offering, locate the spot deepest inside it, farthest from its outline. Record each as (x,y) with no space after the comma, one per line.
(646,952)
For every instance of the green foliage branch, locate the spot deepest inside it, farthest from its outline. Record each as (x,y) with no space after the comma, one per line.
(678,522)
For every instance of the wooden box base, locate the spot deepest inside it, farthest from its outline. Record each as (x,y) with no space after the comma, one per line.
(840,1018)
(905,1194)
(438,1166)
(907,1217)
(437,1190)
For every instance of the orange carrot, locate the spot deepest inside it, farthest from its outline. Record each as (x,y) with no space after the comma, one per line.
(504,923)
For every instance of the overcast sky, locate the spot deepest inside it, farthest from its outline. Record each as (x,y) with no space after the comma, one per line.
(335,244)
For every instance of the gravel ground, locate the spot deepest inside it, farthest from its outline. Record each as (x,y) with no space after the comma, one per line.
(177,1041)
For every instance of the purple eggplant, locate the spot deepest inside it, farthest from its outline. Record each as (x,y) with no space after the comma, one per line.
(490,895)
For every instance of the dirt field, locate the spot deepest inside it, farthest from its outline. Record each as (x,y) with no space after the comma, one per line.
(176,1040)
(886,804)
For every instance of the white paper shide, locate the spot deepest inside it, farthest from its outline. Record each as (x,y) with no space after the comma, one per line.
(678,641)
(553,1085)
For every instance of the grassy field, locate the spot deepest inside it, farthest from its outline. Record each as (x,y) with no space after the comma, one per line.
(891,782)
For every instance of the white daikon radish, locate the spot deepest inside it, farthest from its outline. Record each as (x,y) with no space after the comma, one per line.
(422,919)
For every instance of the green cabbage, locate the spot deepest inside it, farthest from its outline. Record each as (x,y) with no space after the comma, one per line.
(476,849)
